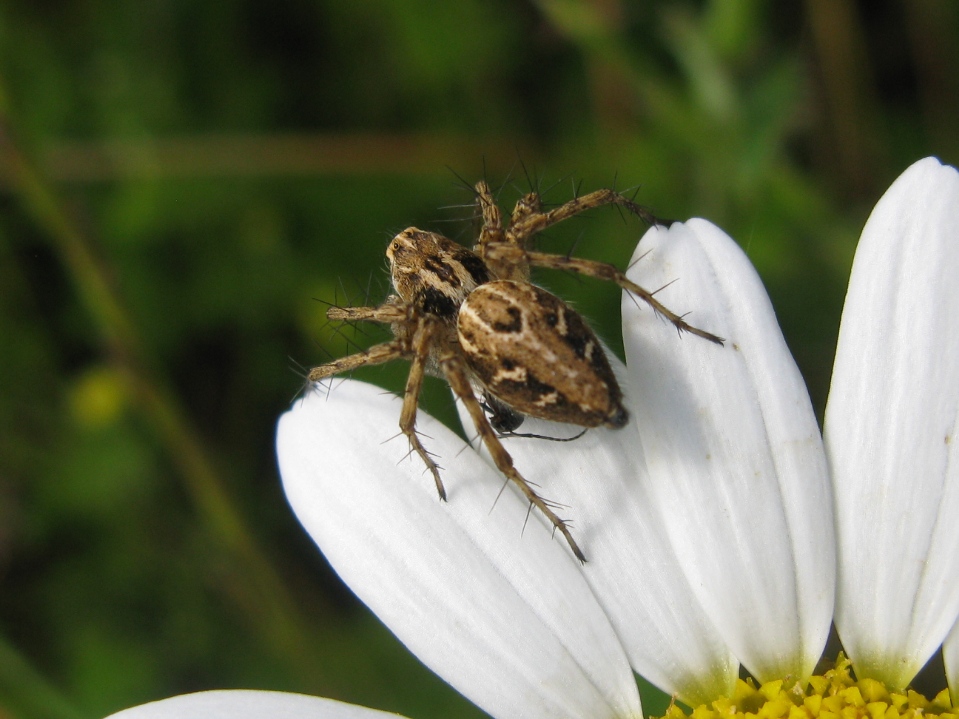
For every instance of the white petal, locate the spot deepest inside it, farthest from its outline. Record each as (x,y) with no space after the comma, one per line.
(500,612)
(734,451)
(892,429)
(950,656)
(631,565)
(248,704)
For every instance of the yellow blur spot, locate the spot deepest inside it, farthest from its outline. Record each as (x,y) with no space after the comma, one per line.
(97,398)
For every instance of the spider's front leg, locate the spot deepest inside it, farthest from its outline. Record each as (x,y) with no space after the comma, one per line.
(377,354)
(391,312)
(454,368)
(422,335)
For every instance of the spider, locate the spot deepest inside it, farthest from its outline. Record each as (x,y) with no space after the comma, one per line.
(507,348)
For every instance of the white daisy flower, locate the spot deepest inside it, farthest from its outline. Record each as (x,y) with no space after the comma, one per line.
(708,521)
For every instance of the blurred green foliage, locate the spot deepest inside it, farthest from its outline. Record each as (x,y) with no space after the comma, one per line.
(181,181)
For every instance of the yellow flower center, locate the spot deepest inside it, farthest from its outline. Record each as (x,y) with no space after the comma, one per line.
(835,695)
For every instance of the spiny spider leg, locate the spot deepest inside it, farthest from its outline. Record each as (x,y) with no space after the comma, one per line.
(611,273)
(422,337)
(605,271)
(491,235)
(390,311)
(520,232)
(492,230)
(454,368)
(527,205)
(377,354)
(508,255)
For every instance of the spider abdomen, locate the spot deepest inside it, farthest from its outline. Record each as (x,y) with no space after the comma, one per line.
(537,355)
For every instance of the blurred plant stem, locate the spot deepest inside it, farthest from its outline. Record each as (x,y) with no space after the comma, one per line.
(848,86)
(935,48)
(267,604)
(30,693)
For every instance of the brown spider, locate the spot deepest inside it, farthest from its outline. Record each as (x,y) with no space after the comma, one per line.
(505,346)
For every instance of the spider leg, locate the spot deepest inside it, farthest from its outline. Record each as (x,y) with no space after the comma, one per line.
(528,205)
(492,236)
(492,230)
(414,383)
(377,354)
(388,312)
(526,225)
(454,367)
(610,273)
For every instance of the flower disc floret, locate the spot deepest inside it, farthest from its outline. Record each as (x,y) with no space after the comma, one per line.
(837,694)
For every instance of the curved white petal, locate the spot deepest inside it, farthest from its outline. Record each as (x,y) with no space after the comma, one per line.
(631,565)
(499,611)
(892,429)
(950,656)
(249,704)
(734,451)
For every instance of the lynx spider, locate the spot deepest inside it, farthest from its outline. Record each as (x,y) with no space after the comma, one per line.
(473,318)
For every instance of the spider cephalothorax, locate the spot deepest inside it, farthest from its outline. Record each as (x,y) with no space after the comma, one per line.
(507,348)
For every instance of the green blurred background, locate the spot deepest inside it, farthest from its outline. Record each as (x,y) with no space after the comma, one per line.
(181,181)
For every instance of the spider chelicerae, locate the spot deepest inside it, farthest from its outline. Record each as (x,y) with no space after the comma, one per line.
(507,348)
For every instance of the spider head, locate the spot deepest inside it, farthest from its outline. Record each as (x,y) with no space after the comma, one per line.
(433,271)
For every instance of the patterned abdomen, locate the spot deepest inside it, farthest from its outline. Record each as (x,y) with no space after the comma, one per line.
(536,354)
